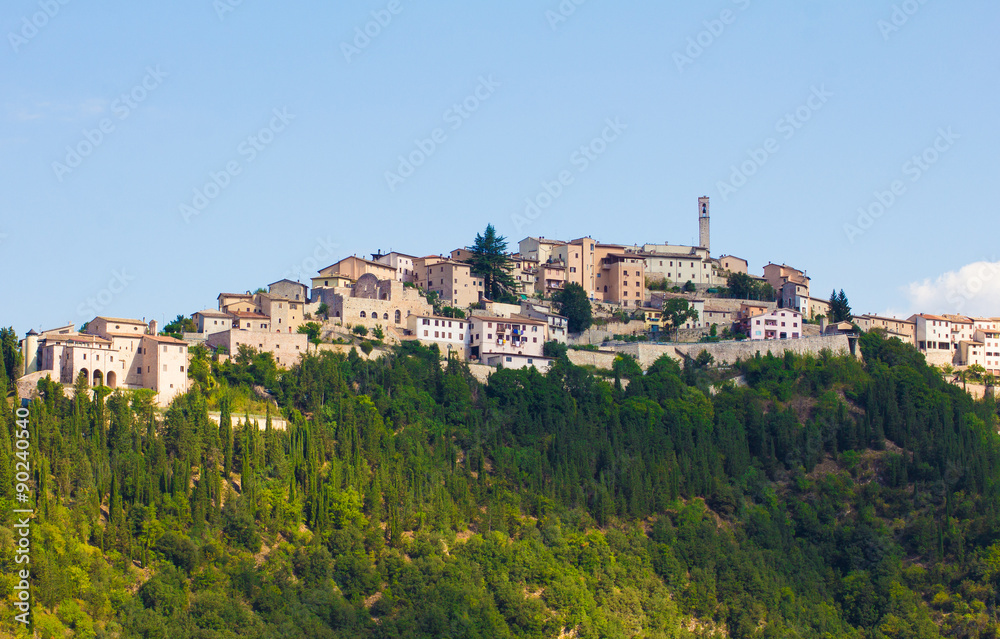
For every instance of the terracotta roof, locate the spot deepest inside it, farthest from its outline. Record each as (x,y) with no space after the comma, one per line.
(121,320)
(507,320)
(440,317)
(164,339)
(957,319)
(239,295)
(77,337)
(286,280)
(211,313)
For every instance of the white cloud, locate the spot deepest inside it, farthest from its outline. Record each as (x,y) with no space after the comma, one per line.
(974,289)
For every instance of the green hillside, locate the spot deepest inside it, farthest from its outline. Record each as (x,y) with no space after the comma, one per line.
(826,497)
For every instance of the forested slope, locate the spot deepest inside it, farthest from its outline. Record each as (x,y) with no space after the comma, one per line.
(826,498)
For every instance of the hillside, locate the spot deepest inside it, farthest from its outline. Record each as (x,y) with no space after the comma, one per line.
(826,498)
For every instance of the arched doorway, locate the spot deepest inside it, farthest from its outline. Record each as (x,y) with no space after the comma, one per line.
(112,379)
(98,378)
(86,375)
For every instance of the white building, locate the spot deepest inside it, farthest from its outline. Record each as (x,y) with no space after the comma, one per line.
(503,337)
(781,323)
(452,335)
(402,262)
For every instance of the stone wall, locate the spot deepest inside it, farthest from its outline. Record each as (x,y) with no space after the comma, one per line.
(597,334)
(598,359)
(727,353)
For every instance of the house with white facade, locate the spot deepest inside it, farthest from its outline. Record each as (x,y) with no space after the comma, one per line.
(451,335)
(781,323)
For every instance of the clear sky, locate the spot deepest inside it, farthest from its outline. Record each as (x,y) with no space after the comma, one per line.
(156,154)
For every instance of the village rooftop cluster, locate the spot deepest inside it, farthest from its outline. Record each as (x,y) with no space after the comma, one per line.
(400,297)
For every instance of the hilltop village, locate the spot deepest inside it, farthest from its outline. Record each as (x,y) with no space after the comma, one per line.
(634,291)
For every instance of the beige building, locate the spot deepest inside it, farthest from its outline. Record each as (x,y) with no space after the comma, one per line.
(905,330)
(621,278)
(402,263)
(210,321)
(734,264)
(250,321)
(330,281)
(354,267)
(374,302)
(525,274)
(695,267)
(232,302)
(550,278)
(453,281)
(538,249)
(295,291)
(582,259)
(286,348)
(114,352)
(285,314)
(558,325)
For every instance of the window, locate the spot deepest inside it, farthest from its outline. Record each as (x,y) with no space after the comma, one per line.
(138,371)
(182,369)
(508,359)
(164,368)
(425,333)
(362,314)
(164,348)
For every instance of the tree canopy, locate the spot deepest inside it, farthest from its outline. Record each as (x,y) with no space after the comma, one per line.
(572,302)
(840,309)
(489,259)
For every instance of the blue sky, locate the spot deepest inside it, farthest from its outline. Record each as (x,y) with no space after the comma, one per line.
(276,124)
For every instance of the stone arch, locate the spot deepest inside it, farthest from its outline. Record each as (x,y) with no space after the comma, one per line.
(366,287)
(86,375)
(98,378)
(385,316)
(112,379)
(362,315)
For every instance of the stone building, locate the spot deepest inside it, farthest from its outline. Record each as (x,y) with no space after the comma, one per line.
(114,352)
(295,291)
(374,302)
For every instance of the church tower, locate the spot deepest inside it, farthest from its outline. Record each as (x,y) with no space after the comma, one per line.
(703,231)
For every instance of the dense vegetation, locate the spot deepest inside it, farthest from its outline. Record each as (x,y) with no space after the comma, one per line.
(823,498)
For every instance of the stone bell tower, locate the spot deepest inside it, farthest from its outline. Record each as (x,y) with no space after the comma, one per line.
(703,230)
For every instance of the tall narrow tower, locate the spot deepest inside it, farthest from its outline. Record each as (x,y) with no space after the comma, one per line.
(703,231)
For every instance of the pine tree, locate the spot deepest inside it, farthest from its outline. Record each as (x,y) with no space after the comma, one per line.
(490,261)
